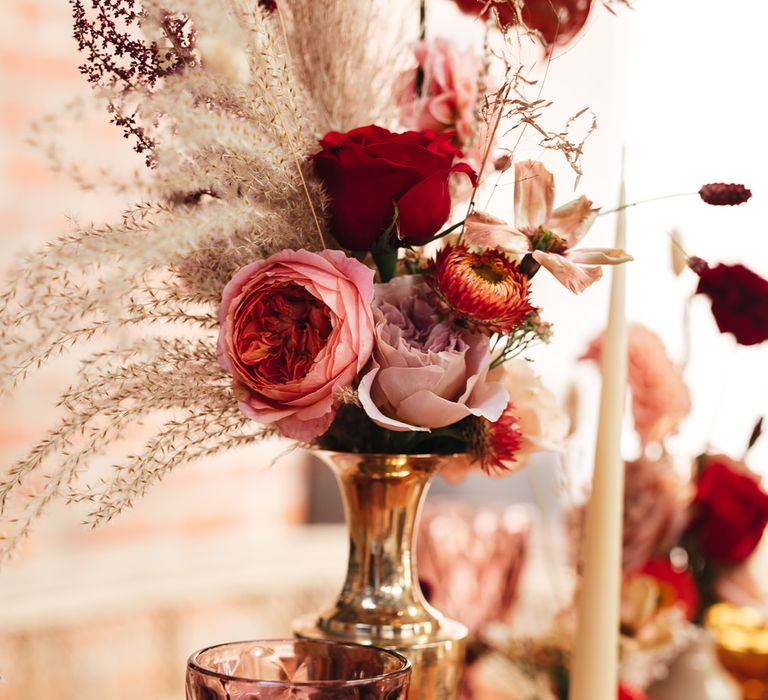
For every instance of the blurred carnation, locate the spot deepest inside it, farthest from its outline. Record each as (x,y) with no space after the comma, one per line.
(541,418)
(656,512)
(660,396)
(656,503)
(627,692)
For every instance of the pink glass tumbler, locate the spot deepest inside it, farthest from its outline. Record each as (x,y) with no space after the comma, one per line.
(297,669)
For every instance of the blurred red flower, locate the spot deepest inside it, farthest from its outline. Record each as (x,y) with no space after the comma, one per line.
(739,300)
(628,693)
(556,21)
(676,586)
(731,513)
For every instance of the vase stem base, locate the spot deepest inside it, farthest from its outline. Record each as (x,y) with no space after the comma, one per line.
(437,658)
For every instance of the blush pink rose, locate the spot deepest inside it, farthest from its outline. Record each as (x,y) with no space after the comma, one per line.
(448,99)
(425,372)
(295,328)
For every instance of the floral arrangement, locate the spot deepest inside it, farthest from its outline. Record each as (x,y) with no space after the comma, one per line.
(298,263)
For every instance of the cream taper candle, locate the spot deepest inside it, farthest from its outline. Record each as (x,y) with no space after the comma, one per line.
(594,669)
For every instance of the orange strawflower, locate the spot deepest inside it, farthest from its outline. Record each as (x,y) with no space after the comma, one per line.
(484,289)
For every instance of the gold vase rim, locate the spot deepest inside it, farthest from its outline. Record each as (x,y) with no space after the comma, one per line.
(386,455)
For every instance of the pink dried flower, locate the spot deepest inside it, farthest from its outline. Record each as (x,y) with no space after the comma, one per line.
(722,194)
(660,397)
(553,234)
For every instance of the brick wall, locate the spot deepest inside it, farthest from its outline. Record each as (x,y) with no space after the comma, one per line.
(223,497)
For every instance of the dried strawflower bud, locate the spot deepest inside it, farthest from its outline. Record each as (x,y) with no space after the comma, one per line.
(721,193)
(502,163)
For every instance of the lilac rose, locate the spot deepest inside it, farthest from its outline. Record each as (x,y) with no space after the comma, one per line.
(424,372)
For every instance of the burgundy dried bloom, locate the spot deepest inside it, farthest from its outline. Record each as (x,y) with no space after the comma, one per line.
(721,194)
(739,300)
(268,5)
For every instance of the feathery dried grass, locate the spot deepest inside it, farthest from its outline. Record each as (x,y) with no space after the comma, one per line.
(231,184)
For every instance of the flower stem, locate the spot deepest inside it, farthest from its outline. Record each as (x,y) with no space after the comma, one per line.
(645,201)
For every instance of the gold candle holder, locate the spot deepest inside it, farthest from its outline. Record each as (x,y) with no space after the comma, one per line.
(741,639)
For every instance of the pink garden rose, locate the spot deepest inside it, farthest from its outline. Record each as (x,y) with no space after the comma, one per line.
(425,372)
(295,328)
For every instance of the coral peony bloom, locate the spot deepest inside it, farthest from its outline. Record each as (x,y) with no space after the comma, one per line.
(370,173)
(295,328)
(424,372)
(447,99)
(731,512)
(739,300)
(552,233)
(485,289)
(660,396)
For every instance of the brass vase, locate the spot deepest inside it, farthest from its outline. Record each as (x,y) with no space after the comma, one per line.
(381,602)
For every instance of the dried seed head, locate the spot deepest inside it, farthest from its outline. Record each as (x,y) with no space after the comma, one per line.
(721,194)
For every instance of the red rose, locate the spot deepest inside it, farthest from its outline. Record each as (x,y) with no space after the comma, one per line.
(739,300)
(732,512)
(369,171)
(557,21)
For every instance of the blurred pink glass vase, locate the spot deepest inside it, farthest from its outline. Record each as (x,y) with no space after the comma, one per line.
(470,560)
(297,670)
